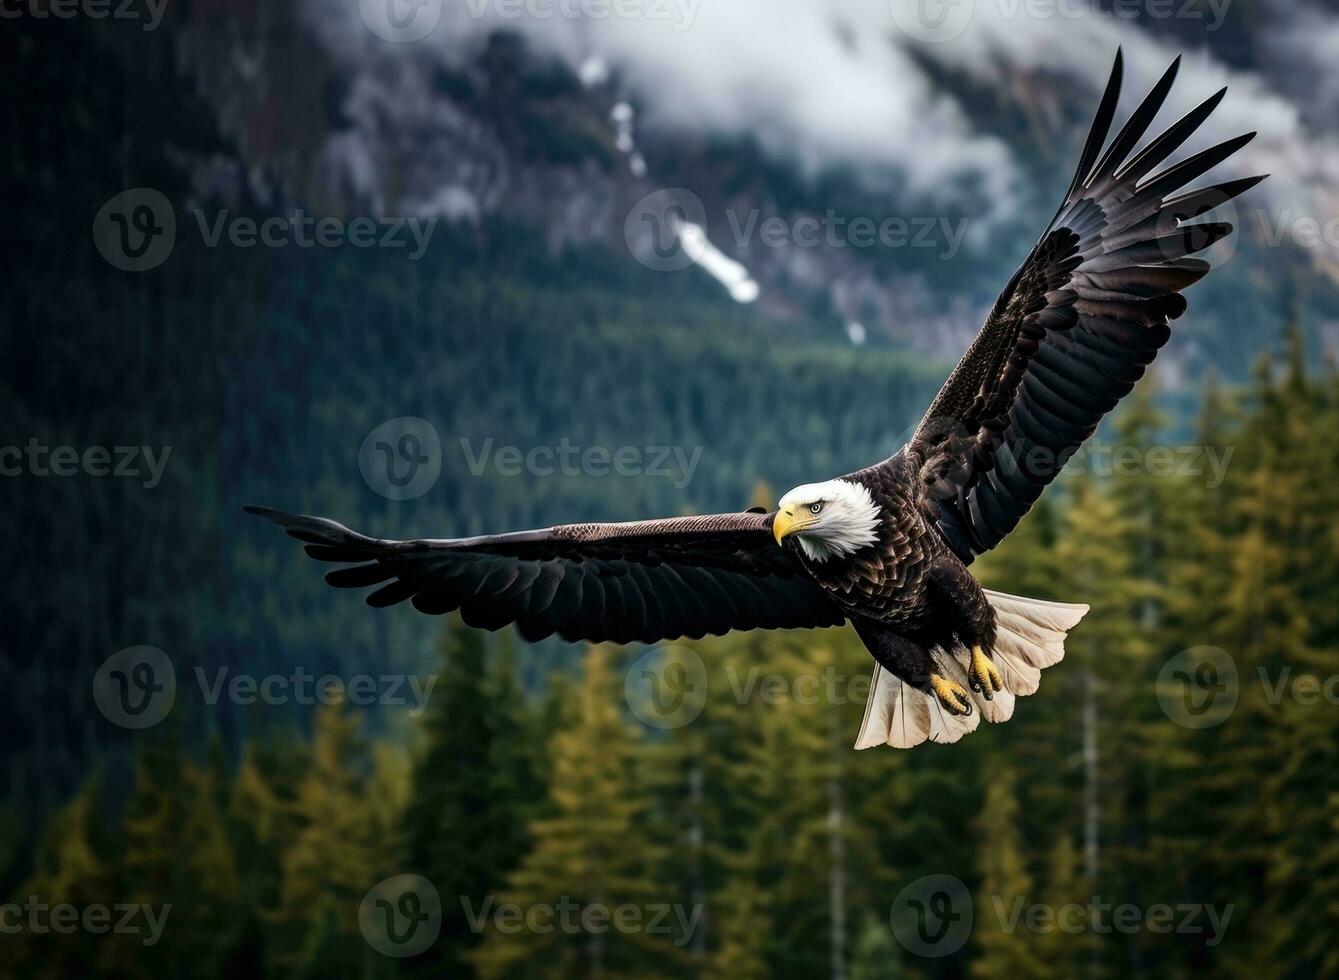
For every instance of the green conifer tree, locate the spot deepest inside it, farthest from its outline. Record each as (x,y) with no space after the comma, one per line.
(591,851)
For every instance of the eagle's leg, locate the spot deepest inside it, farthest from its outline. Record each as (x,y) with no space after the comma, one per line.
(963,603)
(983,676)
(912,664)
(950,694)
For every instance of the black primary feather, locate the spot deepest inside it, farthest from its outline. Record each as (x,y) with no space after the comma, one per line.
(646,581)
(1077,324)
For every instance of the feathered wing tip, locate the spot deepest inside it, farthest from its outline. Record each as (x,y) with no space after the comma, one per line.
(1029,637)
(1129,195)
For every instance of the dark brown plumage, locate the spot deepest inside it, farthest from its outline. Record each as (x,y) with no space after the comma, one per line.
(620,583)
(886,548)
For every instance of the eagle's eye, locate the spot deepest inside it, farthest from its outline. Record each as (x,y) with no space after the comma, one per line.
(816,508)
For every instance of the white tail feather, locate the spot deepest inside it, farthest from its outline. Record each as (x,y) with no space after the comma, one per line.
(1029,636)
(895,714)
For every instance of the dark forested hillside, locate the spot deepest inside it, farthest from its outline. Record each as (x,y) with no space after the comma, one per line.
(1169,841)
(254,375)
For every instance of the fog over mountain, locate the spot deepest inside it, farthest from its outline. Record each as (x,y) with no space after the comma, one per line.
(952,142)
(844,83)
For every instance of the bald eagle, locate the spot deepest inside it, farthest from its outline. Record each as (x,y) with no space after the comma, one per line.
(886,548)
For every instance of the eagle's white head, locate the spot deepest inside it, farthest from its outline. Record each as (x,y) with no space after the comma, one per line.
(831,519)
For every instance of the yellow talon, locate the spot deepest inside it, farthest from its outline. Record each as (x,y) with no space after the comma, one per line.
(983,676)
(952,695)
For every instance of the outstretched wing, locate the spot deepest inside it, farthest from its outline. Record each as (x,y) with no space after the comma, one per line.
(1076,326)
(644,581)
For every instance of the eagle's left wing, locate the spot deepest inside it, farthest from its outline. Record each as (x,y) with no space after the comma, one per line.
(1076,326)
(643,581)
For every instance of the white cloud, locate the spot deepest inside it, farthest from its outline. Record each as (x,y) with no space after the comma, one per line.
(816,83)
(837,82)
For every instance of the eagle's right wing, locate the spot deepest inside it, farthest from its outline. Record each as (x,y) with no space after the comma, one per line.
(643,581)
(1076,326)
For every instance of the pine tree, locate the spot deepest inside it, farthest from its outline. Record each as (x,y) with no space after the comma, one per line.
(517,787)
(814,735)
(474,785)
(264,821)
(1066,950)
(1285,594)
(877,956)
(446,820)
(592,850)
(69,866)
(339,852)
(1006,886)
(1106,658)
(743,927)
(175,852)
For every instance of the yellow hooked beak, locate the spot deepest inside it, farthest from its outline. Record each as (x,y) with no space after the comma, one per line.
(786,523)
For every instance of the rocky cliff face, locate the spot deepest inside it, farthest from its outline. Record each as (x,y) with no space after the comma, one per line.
(499,132)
